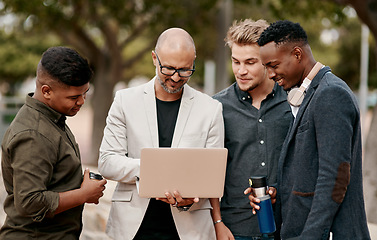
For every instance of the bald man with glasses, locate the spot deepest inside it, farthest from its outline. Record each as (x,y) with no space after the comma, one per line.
(165,112)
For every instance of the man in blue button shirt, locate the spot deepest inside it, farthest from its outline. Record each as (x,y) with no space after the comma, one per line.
(257,117)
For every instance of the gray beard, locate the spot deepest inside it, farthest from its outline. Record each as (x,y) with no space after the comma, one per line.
(163,85)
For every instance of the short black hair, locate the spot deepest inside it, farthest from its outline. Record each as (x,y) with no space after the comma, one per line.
(67,66)
(283,31)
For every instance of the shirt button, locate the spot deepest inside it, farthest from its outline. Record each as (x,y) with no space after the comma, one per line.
(263,164)
(261,142)
(260,120)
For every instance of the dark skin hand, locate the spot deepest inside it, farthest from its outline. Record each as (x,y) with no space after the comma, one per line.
(254,200)
(89,192)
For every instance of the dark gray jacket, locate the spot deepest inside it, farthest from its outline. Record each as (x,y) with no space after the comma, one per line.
(320,168)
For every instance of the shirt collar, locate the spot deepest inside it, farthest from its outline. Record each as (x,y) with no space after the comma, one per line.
(56,117)
(244,96)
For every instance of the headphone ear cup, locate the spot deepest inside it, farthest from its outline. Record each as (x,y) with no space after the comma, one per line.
(295,97)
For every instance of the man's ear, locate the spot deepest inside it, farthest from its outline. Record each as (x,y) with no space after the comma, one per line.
(297,53)
(46,91)
(154,59)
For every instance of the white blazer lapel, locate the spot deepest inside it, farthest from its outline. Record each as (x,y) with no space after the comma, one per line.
(149,99)
(184,112)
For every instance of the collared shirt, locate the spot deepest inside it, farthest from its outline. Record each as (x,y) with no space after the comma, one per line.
(295,110)
(40,158)
(254,139)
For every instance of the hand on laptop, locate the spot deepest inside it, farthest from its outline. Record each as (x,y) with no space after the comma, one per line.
(176,199)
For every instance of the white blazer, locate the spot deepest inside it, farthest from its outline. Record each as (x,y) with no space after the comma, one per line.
(132,125)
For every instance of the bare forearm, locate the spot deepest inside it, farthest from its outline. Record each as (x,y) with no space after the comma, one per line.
(222,232)
(89,192)
(70,199)
(215,212)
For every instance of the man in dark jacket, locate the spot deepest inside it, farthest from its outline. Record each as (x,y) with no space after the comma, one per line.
(320,190)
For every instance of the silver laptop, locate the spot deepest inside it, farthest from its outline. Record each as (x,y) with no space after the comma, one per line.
(193,172)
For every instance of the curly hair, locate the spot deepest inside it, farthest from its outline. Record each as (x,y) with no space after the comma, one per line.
(67,66)
(283,31)
(245,32)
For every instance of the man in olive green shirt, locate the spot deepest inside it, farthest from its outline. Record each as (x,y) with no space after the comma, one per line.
(41,163)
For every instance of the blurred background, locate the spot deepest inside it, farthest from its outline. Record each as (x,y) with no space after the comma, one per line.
(117,38)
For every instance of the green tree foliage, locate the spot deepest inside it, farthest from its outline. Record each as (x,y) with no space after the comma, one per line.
(117,36)
(349,48)
(302,12)
(343,55)
(113,35)
(19,55)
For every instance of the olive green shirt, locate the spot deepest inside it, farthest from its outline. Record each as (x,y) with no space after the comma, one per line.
(40,158)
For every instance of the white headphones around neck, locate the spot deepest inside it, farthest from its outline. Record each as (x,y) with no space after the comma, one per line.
(296,95)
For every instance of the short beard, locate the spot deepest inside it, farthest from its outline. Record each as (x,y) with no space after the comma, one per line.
(163,85)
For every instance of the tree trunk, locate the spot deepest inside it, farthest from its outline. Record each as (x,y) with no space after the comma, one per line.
(222,52)
(367,12)
(101,100)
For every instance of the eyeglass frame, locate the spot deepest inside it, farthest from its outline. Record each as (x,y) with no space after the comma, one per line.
(175,70)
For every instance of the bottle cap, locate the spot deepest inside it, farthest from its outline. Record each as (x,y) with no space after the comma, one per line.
(258,181)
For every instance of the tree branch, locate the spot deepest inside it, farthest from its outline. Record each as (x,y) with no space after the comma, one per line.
(80,40)
(129,62)
(139,28)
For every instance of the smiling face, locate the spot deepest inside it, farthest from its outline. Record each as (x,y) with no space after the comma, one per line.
(247,66)
(173,60)
(283,64)
(173,57)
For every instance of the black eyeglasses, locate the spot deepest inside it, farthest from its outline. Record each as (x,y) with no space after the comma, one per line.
(169,71)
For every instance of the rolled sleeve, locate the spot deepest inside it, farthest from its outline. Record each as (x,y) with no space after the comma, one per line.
(32,171)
